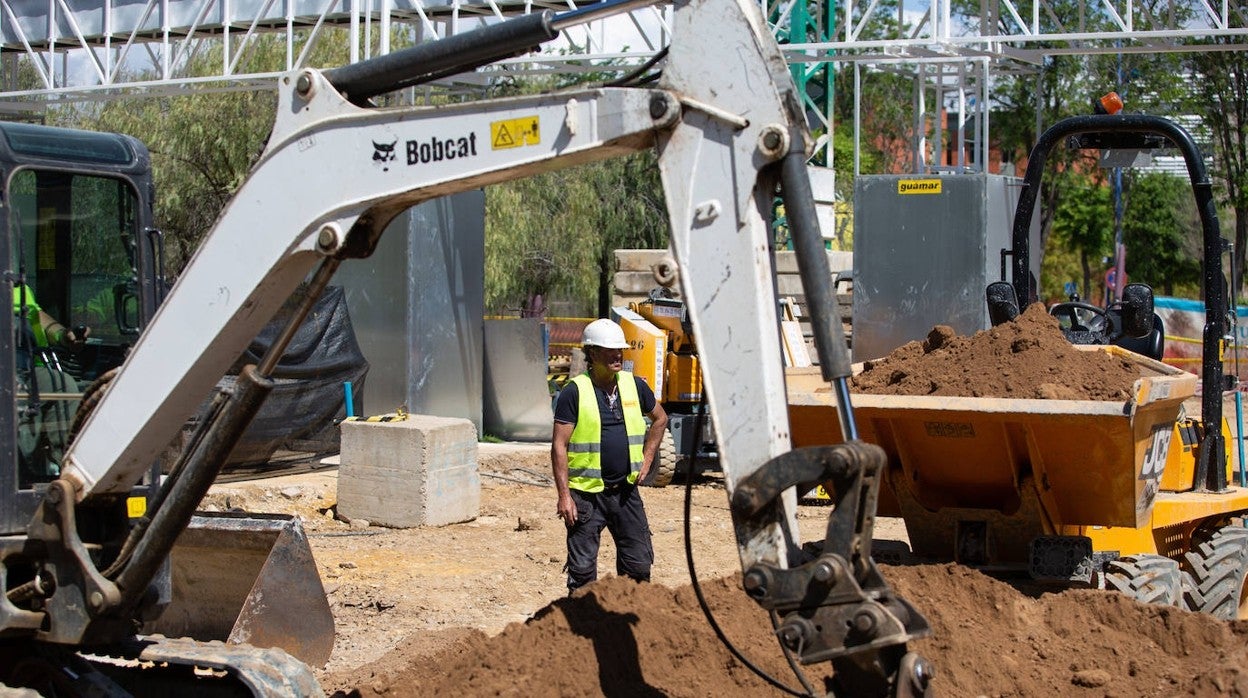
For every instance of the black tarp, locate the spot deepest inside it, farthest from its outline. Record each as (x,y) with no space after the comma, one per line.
(303,411)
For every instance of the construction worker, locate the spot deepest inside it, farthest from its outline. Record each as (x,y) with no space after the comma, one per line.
(600,450)
(47,331)
(42,433)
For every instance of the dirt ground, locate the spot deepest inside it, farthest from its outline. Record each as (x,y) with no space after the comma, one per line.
(421,590)
(480,608)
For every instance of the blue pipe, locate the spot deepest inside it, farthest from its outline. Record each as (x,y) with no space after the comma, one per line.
(349,400)
(1239,436)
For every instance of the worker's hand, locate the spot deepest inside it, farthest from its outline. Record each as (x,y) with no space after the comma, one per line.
(75,338)
(66,338)
(566,509)
(645,470)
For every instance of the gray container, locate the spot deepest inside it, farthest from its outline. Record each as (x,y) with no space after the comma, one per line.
(925,248)
(417,306)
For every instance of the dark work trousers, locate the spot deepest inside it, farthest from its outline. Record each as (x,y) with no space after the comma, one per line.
(620,510)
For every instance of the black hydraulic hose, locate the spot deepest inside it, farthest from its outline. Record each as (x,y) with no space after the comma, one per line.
(431,60)
(812,263)
(697,586)
(139,531)
(639,71)
(1213,449)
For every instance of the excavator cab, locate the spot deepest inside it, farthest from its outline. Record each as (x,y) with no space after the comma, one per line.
(78,229)
(84,257)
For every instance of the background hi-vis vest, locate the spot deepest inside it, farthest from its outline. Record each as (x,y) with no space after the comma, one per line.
(585,446)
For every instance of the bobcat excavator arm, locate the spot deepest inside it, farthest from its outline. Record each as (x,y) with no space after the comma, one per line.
(728,127)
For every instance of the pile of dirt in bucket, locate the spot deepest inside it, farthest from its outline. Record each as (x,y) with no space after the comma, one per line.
(1026,358)
(620,638)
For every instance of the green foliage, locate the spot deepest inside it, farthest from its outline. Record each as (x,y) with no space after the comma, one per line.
(1061,264)
(1219,93)
(886,121)
(885,115)
(1067,86)
(1083,225)
(843,164)
(1161,237)
(1157,230)
(204,144)
(555,234)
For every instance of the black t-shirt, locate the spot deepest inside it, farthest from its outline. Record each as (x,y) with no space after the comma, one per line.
(614,435)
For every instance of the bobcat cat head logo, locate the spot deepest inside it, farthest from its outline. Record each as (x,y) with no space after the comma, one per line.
(384,152)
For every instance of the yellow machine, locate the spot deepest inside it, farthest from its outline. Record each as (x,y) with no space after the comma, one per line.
(1135,496)
(662,351)
(1098,493)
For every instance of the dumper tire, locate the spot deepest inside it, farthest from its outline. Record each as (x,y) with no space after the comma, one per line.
(663,470)
(1216,574)
(1154,579)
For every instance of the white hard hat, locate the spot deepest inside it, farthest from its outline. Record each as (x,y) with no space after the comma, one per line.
(604,333)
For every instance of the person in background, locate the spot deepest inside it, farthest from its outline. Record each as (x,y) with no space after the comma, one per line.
(601,448)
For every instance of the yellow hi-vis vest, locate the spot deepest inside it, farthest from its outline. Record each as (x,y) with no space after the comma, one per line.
(585,446)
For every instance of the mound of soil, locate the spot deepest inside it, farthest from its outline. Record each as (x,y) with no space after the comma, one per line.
(620,638)
(1026,358)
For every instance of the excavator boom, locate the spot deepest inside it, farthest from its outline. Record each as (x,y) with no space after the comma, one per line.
(729,128)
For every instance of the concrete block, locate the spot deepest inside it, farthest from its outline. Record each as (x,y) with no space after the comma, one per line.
(638,282)
(786,261)
(638,260)
(418,472)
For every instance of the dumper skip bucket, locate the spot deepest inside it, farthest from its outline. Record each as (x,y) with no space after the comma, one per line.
(1085,458)
(248,579)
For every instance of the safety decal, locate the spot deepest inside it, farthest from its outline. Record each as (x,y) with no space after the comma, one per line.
(136,507)
(513,133)
(918,186)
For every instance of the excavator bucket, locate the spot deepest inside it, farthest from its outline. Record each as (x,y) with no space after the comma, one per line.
(248,579)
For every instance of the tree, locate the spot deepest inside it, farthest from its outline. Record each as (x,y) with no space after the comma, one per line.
(1083,223)
(1028,103)
(204,144)
(884,96)
(1219,83)
(1156,232)
(556,233)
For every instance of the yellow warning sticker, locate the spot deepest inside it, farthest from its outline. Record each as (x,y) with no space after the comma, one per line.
(514,133)
(136,507)
(918,186)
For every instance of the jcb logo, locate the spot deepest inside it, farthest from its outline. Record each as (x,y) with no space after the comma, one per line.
(1154,465)
(1155,455)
